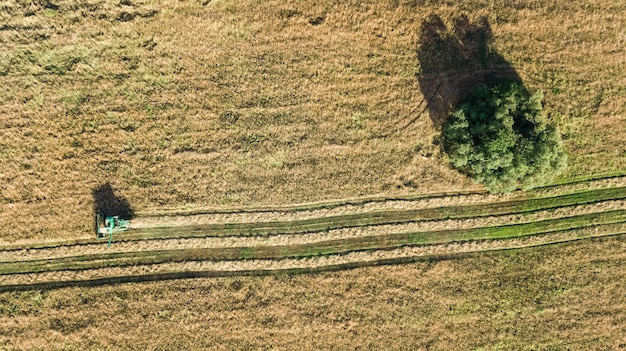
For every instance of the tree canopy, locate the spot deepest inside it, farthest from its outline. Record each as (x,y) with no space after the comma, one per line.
(500,137)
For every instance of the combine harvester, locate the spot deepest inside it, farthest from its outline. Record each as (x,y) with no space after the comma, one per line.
(106,226)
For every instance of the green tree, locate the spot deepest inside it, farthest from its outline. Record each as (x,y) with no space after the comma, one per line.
(500,137)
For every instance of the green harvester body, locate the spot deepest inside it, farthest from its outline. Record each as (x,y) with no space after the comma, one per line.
(106,226)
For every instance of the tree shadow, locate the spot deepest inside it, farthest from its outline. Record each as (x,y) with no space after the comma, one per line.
(455,59)
(107,203)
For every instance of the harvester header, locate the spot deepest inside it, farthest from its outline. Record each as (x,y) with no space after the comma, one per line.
(106,226)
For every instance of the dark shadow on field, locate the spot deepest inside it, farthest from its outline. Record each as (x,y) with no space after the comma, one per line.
(455,59)
(107,203)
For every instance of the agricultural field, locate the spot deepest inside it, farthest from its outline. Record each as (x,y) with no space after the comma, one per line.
(555,297)
(282,166)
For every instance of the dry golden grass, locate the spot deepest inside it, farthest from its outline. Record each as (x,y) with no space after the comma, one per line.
(266,102)
(196,103)
(568,297)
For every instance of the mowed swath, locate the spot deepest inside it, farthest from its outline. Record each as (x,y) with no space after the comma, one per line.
(331,242)
(156,243)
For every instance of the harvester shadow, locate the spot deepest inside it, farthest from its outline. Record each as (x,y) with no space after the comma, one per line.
(108,204)
(455,59)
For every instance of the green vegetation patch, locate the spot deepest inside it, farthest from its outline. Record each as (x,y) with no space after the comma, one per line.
(500,137)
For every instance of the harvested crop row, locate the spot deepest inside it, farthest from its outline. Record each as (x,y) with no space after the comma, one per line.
(602,183)
(430,207)
(305,238)
(165,220)
(259,266)
(390,241)
(350,220)
(310,211)
(378,218)
(349,234)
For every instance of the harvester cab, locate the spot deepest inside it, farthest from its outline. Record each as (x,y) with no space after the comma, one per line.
(106,226)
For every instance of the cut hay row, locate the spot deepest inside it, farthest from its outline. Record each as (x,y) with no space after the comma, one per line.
(417,209)
(305,237)
(290,224)
(593,210)
(312,264)
(197,226)
(325,224)
(339,207)
(389,241)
